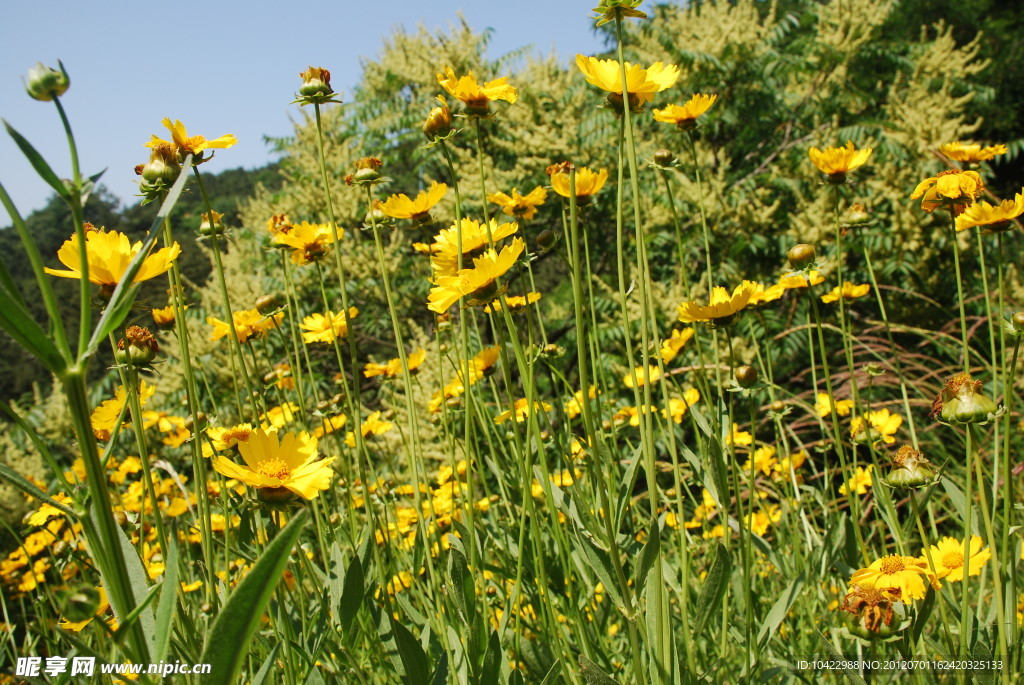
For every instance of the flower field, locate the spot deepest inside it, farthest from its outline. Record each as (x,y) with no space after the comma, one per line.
(695,361)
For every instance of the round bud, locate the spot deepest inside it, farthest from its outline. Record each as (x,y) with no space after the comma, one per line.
(120,518)
(801,256)
(746,376)
(265,304)
(46,83)
(1018,321)
(664,157)
(81,605)
(206,607)
(546,239)
(438,123)
(191,422)
(777,406)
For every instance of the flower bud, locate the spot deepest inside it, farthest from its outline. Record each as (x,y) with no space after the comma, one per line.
(777,406)
(208,227)
(46,83)
(546,239)
(439,121)
(163,165)
(961,401)
(138,347)
(199,420)
(274,497)
(266,304)
(856,214)
(1017,320)
(664,157)
(315,82)
(909,469)
(801,256)
(746,376)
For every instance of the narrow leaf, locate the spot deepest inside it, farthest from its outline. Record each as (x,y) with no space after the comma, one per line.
(31,336)
(139,586)
(38,163)
(647,556)
(29,488)
(593,675)
(779,610)
(492,660)
(268,663)
(598,560)
(351,595)
(228,640)
(713,590)
(168,602)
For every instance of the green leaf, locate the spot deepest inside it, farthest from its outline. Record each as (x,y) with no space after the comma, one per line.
(626,486)
(555,669)
(492,660)
(647,557)
(168,602)
(124,293)
(713,589)
(138,578)
(31,336)
(38,163)
(460,586)
(441,675)
(406,654)
(29,488)
(836,656)
(599,561)
(336,579)
(38,442)
(352,595)
(268,663)
(228,640)
(593,675)
(778,611)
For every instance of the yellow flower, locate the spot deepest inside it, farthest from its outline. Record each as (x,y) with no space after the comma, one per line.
(948,558)
(671,345)
(521,411)
(372,426)
(758,521)
(194,145)
(574,406)
(326,328)
(677,407)
(893,572)
(606,74)
(635,378)
(971,153)
(883,425)
(799,280)
(475,96)
(824,407)
(951,186)
(277,417)
(848,292)
(839,160)
(475,236)
(104,416)
(520,206)
(475,283)
(514,302)
(588,183)
(994,218)
(222,438)
(860,482)
(763,295)
(309,241)
(248,324)
(685,116)
(164,317)
(401,207)
(479,365)
(762,460)
(109,253)
(288,461)
(738,437)
(393,367)
(330,425)
(722,307)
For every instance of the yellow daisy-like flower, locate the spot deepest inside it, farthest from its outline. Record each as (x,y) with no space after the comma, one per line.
(186,144)
(722,307)
(994,218)
(762,460)
(635,378)
(739,437)
(277,417)
(685,116)
(894,572)
(677,407)
(476,97)
(330,425)
(104,416)
(883,425)
(834,161)
(520,206)
(671,345)
(971,153)
(860,482)
(948,559)
(959,188)
(643,83)
(326,328)
(224,438)
(479,365)
(514,302)
(401,207)
(274,462)
(759,521)
(824,407)
(476,283)
(574,406)
(109,253)
(373,425)
(588,182)
(799,280)
(163,317)
(475,236)
(393,367)
(848,292)
(248,324)
(309,241)
(521,411)
(764,295)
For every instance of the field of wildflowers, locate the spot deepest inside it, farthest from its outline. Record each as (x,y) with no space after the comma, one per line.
(610,416)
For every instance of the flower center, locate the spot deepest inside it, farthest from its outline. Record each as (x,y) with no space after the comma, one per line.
(274,468)
(892,564)
(237,434)
(953,560)
(947,172)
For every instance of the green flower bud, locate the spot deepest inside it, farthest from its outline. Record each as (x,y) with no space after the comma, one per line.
(746,376)
(664,157)
(45,83)
(961,401)
(439,122)
(275,497)
(138,347)
(81,604)
(266,304)
(1017,320)
(546,239)
(801,256)
(909,469)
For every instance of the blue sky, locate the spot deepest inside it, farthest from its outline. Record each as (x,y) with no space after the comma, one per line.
(219,67)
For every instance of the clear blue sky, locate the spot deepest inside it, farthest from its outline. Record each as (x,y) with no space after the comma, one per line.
(219,67)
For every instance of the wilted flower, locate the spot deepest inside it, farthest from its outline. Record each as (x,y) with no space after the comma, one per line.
(316,87)
(961,400)
(138,347)
(873,610)
(909,469)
